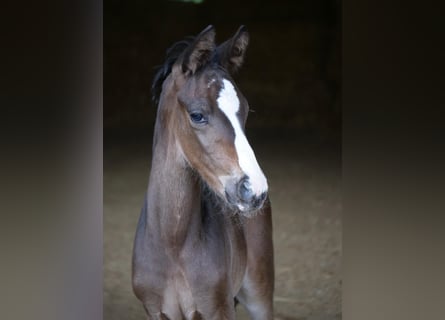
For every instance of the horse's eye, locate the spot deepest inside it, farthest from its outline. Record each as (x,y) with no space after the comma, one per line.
(197,117)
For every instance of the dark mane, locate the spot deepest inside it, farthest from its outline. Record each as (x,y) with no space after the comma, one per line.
(172,54)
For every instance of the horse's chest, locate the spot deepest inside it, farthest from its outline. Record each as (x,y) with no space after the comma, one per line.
(203,275)
(206,275)
(203,290)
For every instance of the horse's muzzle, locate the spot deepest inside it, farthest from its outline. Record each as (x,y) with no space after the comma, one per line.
(242,196)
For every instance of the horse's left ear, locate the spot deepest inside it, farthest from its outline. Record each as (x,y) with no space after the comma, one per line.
(230,54)
(200,51)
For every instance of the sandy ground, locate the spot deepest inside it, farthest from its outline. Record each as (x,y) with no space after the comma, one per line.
(305,189)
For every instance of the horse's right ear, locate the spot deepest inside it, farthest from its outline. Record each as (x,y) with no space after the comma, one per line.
(231,53)
(200,51)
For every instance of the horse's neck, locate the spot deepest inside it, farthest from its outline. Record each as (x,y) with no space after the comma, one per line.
(174,200)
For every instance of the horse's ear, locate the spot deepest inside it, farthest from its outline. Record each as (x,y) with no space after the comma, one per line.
(200,51)
(231,53)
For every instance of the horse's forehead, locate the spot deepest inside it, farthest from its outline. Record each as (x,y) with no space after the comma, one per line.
(228,100)
(212,79)
(213,82)
(209,84)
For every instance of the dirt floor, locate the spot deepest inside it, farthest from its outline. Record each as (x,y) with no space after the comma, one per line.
(304,176)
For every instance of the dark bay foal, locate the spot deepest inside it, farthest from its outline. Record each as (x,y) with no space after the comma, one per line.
(204,237)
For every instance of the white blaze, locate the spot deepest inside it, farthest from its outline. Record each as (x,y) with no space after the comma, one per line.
(229,103)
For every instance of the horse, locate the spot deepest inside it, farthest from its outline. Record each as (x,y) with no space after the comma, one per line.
(203,242)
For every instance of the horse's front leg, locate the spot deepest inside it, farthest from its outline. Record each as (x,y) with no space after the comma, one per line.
(256,293)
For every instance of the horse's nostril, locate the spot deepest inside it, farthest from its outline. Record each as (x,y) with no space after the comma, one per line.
(263,196)
(245,192)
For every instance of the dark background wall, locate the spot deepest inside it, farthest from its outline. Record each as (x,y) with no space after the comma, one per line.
(292,72)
